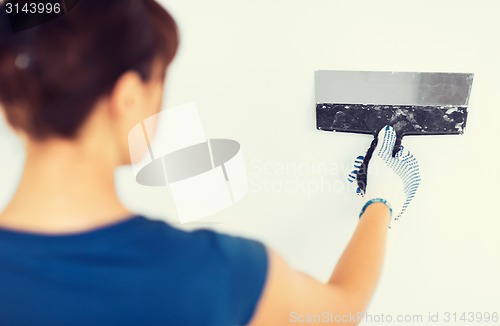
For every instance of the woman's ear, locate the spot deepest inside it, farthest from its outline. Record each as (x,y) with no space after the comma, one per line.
(131,101)
(127,95)
(4,120)
(2,110)
(128,104)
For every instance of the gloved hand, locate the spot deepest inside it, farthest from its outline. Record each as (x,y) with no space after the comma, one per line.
(391,180)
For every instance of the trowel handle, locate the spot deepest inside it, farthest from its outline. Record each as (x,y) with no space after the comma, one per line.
(362,177)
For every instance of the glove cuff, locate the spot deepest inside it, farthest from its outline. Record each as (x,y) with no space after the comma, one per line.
(376,200)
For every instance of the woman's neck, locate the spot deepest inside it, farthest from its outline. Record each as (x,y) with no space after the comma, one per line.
(66,187)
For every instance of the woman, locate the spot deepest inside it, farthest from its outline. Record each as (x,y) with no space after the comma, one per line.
(72,254)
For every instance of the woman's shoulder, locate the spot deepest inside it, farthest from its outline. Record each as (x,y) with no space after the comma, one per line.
(207,238)
(206,244)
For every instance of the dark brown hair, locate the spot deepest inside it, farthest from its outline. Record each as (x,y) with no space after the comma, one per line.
(52,75)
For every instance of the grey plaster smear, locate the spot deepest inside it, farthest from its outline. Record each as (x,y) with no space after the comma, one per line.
(406,120)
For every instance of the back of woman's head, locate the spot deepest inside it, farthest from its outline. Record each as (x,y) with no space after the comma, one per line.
(52,75)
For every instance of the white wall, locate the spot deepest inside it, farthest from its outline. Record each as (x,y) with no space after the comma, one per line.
(250,67)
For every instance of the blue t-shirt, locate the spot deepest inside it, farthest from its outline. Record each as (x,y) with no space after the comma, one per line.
(135,272)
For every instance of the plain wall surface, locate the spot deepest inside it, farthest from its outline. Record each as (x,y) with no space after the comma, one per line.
(250,65)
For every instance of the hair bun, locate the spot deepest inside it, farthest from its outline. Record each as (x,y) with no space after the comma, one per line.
(52,75)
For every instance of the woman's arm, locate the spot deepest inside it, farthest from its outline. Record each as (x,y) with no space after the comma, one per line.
(290,295)
(358,269)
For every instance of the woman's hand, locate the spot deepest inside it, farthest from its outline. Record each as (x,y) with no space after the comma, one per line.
(393,180)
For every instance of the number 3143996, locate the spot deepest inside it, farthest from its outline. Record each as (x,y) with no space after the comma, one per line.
(33,8)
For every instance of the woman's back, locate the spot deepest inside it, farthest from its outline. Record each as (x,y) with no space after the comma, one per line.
(134,272)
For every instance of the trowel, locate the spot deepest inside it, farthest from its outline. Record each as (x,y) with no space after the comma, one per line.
(413,103)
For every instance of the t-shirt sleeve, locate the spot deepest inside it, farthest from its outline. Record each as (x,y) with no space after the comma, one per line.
(247,262)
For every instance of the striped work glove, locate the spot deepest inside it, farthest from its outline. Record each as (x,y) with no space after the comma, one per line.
(391,180)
